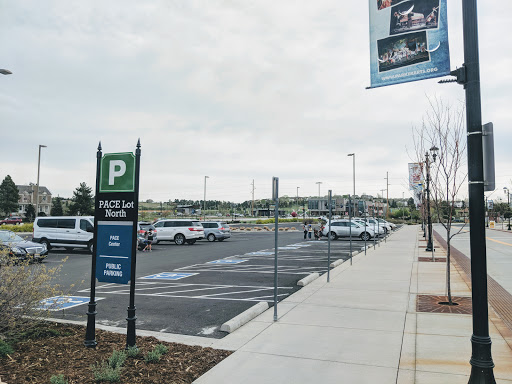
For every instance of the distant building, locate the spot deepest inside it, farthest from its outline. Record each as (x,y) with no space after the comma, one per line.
(27,195)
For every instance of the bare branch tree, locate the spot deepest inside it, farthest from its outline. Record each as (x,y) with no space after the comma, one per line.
(443,127)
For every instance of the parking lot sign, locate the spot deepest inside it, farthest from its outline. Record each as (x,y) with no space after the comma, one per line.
(117,172)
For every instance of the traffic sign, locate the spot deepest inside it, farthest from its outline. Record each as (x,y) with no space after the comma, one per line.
(117,172)
(114,251)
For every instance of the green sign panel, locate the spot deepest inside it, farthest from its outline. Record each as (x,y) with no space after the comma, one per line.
(117,173)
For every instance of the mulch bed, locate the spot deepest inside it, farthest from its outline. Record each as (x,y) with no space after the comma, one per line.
(430,303)
(428,259)
(62,351)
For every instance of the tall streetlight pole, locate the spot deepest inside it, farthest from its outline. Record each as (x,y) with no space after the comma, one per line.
(298,198)
(204,200)
(353,175)
(469,76)
(38,169)
(387,194)
(506,190)
(318,182)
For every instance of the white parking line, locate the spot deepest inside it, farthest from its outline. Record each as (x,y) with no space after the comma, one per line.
(240,290)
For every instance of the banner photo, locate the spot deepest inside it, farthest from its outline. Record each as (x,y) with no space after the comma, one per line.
(408,41)
(415,176)
(416,182)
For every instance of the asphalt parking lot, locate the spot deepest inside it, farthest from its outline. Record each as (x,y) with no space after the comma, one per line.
(194,289)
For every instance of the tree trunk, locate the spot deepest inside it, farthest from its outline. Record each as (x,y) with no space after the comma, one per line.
(448,277)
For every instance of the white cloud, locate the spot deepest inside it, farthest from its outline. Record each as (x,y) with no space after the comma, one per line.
(236,90)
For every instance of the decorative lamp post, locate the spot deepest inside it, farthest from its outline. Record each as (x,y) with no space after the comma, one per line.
(506,190)
(434,150)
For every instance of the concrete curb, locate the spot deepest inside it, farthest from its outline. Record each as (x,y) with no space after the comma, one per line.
(337,262)
(308,279)
(243,318)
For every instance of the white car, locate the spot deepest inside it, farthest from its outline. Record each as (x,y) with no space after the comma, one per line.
(343,228)
(377,227)
(391,225)
(180,231)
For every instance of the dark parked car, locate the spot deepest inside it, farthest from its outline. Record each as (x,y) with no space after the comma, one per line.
(11,220)
(216,230)
(20,249)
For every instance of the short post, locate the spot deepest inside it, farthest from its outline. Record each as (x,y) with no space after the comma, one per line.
(275,196)
(329,197)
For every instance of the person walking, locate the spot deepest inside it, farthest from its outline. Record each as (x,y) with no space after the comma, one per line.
(149,240)
(305,228)
(310,230)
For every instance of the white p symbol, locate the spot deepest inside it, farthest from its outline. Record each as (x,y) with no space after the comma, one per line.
(117,169)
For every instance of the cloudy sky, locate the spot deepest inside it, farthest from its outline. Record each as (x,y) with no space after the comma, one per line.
(237,90)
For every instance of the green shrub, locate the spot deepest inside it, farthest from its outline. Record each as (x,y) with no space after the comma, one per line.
(132,351)
(27,227)
(161,349)
(117,359)
(152,357)
(22,288)
(5,349)
(104,372)
(58,379)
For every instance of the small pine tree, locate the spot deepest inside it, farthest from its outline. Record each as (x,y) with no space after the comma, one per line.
(9,196)
(57,209)
(82,202)
(30,213)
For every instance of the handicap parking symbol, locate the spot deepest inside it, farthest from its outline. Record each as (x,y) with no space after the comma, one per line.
(169,276)
(58,303)
(258,253)
(227,261)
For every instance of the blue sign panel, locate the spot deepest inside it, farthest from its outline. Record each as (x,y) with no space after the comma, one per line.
(169,276)
(114,251)
(58,303)
(224,261)
(408,41)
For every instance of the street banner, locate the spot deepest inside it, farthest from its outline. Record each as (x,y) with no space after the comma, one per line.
(408,41)
(416,182)
(415,176)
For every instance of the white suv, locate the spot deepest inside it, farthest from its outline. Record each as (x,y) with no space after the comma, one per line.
(343,228)
(180,231)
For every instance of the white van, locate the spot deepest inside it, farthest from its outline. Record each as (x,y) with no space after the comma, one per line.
(180,231)
(64,231)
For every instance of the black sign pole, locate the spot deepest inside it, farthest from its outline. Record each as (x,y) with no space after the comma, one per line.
(481,358)
(130,330)
(90,333)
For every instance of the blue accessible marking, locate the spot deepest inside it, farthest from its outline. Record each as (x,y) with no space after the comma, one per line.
(288,248)
(263,253)
(224,261)
(58,303)
(169,276)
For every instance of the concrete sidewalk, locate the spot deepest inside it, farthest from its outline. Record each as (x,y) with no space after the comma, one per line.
(363,327)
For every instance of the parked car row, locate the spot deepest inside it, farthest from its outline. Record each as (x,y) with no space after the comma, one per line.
(72,232)
(365,229)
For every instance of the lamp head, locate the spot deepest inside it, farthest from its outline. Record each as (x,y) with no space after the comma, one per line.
(434,150)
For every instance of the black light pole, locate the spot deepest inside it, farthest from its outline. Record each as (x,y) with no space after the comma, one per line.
(90,332)
(508,209)
(434,150)
(132,318)
(469,75)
